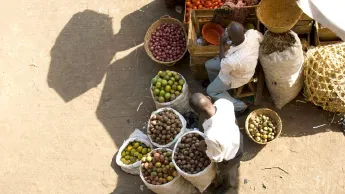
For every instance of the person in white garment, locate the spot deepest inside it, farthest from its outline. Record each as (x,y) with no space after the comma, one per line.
(223,143)
(235,67)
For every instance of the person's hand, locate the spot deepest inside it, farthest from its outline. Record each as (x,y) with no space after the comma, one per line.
(202,146)
(224,37)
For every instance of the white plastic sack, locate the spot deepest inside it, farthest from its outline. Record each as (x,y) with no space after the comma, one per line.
(177,186)
(181,103)
(284,73)
(183,129)
(134,168)
(202,179)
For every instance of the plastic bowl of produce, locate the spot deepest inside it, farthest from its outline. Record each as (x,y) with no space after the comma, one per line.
(212,33)
(263,125)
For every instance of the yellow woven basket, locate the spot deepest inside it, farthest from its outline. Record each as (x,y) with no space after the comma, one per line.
(267,112)
(324,82)
(278,16)
(163,20)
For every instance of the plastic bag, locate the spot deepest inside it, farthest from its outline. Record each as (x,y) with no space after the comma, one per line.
(134,168)
(183,129)
(177,186)
(284,73)
(202,179)
(180,104)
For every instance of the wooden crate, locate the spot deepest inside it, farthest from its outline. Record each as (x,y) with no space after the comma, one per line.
(304,26)
(198,19)
(200,54)
(324,36)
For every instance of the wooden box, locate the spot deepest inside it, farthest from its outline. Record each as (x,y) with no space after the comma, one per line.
(200,54)
(324,36)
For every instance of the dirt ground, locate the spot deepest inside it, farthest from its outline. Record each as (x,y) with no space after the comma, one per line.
(72,74)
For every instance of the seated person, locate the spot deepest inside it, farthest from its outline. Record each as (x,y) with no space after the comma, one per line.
(236,67)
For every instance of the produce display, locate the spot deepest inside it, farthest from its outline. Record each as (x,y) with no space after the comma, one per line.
(168,42)
(167,86)
(262,128)
(187,157)
(202,4)
(157,167)
(274,42)
(134,152)
(164,126)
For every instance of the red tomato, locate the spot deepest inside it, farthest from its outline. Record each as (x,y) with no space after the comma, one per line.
(194,7)
(189,4)
(194,1)
(200,7)
(198,3)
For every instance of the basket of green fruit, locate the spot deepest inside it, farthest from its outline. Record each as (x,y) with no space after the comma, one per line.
(263,125)
(169,89)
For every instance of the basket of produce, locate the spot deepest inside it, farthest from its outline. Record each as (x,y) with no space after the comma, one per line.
(278,16)
(324,74)
(165,41)
(170,89)
(159,174)
(165,126)
(263,125)
(131,152)
(192,164)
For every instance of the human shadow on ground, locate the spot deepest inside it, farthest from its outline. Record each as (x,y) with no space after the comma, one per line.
(81,54)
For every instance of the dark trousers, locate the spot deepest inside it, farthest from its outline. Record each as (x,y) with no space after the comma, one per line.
(227,171)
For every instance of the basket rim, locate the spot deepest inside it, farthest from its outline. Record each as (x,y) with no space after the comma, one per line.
(148,36)
(279,122)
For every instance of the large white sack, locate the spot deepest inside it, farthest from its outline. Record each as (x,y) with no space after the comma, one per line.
(183,129)
(177,186)
(180,104)
(202,179)
(134,168)
(284,73)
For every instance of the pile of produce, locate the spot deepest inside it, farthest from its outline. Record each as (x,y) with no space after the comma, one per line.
(167,86)
(134,152)
(274,42)
(233,10)
(164,126)
(262,128)
(201,4)
(168,42)
(157,167)
(187,156)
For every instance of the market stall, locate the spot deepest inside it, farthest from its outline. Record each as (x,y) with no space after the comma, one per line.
(167,158)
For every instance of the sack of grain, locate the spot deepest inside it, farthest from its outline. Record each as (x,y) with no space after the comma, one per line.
(281,57)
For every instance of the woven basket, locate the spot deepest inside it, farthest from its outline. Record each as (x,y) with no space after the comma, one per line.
(324,73)
(278,16)
(163,20)
(267,112)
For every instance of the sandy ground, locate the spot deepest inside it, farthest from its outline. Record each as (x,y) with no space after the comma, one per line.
(72,74)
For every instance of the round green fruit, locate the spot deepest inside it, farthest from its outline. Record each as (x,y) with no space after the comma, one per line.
(177,77)
(164,82)
(172,97)
(181,82)
(166,77)
(156,92)
(162,93)
(158,84)
(167,88)
(159,80)
(153,81)
(161,99)
(172,79)
(174,87)
(161,73)
(179,88)
(167,96)
(177,93)
(170,82)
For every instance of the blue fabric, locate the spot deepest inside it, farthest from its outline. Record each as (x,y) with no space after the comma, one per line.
(217,89)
